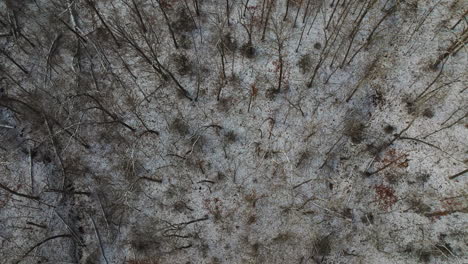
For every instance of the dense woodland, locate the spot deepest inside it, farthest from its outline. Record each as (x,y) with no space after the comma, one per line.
(221,131)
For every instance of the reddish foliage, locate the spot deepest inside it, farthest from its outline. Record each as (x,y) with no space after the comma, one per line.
(255,17)
(392,156)
(286,70)
(438,214)
(403,164)
(255,7)
(450,205)
(214,206)
(386,196)
(254,90)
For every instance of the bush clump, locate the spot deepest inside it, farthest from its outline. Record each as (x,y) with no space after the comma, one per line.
(248,50)
(305,63)
(354,129)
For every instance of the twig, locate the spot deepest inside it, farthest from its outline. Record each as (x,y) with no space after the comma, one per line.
(99,238)
(37,225)
(329,151)
(193,221)
(458,174)
(302,183)
(431,145)
(52,49)
(176,155)
(17,193)
(31,173)
(432,83)
(453,49)
(206,181)
(426,15)
(72,30)
(14,62)
(92,5)
(402,131)
(297,107)
(7,126)
(369,71)
(55,150)
(74,234)
(151,179)
(103,212)
(40,243)
(331,211)
(448,126)
(460,20)
(74,133)
(114,117)
(167,22)
(386,166)
(193,146)
(450,117)
(68,192)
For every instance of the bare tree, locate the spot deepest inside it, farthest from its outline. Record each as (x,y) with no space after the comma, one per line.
(280,40)
(168,23)
(151,57)
(267,17)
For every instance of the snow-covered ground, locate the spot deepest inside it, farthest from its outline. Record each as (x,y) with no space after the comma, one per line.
(335,134)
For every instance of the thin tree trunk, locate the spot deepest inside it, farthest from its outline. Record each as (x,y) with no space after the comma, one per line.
(303,29)
(4,187)
(221,53)
(356,29)
(333,13)
(197,10)
(452,49)
(306,11)
(14,62)
(140,17)
(245,7)
(266,19)
(228,12)
(297,13)
(287,10)
(263,11)
(92,5)
(281,70)
(166,18)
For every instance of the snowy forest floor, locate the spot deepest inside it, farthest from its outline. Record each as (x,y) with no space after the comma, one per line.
(252,131)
